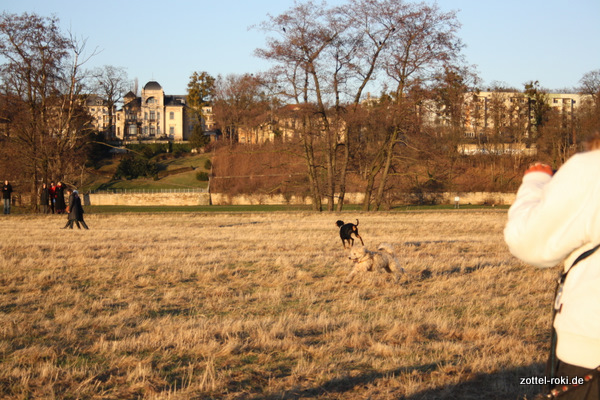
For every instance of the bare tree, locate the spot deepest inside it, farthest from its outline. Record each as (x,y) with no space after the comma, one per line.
(239,104)
(43,71)
(301,37)
(110,83)
(590,84)
(327,57)
(423,44)
(589,111)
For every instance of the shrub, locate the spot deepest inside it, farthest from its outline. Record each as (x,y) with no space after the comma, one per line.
(132,167)
(181,148)
(202,176)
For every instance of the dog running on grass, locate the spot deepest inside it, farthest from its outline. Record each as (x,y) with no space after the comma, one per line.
(346,231)
(365,260)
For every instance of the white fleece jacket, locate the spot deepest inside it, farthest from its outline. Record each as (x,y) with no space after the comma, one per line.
(558,217)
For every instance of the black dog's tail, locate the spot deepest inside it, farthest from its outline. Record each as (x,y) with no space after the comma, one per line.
(356,221)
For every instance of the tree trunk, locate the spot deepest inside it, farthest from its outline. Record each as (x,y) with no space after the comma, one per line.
(344,169)
(309,156)
(386,170)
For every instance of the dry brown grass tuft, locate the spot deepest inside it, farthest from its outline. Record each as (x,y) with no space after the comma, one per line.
(253,306)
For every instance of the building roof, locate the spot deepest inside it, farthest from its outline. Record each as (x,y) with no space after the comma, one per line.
(134,103)
(94,100)
(152,85)
(175,100)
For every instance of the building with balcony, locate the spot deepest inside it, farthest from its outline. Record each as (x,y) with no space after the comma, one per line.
(154,116)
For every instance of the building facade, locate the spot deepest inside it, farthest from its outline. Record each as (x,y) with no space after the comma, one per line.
(154,116)
(511,112)
(98,110)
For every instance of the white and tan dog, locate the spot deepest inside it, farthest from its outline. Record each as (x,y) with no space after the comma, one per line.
(366,260)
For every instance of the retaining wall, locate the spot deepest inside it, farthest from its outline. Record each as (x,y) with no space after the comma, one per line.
(147,199)
(196,199)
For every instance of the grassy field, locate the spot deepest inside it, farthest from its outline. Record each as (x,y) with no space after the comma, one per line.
(101,179)
(253,306)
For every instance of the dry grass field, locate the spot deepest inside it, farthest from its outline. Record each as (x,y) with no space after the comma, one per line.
(253,306)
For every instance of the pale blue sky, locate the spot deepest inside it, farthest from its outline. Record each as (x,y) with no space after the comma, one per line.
(510,41)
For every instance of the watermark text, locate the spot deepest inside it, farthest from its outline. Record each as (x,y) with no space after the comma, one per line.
(544,380)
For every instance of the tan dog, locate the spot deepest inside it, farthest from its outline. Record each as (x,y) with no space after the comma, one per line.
(365,260)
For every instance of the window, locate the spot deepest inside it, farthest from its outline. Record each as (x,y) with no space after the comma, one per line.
(171,131)
(171,115)
(152,115)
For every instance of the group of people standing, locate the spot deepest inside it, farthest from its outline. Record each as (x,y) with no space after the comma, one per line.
(52,199)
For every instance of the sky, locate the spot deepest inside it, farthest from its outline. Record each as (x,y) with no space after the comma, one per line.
(510,42)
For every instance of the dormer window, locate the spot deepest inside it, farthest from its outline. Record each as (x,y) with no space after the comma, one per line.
(151,100)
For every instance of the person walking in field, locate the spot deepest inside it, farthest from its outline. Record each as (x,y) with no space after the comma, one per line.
(556,216)
(75,211)
(6,196)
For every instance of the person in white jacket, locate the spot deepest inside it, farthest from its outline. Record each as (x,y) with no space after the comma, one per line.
(556,217)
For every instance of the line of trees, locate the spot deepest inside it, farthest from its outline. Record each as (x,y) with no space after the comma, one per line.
(326,62)
(41,83)
(327,57)
(46,129)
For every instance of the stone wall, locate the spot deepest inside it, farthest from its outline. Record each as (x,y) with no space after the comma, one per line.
(197,199)
(147,199)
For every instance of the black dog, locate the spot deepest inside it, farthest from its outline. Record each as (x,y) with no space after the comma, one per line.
(346,231)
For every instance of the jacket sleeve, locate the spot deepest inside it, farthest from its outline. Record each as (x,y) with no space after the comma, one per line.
(548,219)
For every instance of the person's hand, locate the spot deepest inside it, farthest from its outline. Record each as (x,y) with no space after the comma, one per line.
(540,167)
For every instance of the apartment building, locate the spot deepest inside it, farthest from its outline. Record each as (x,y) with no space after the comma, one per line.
(511,112)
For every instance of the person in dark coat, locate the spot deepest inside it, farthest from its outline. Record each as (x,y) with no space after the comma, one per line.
(75,210)
(44,199)
(60,199)
(6,192)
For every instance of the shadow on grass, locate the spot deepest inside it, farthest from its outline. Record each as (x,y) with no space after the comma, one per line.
(501,385)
